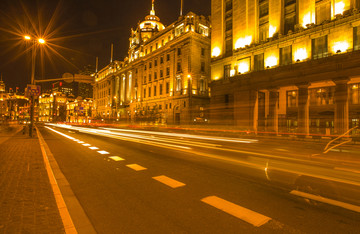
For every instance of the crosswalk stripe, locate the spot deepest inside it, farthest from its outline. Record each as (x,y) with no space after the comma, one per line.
(168,181)
(116,158)
(242,213)
(136,167)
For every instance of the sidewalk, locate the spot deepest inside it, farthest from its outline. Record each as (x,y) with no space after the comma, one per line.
(27,203)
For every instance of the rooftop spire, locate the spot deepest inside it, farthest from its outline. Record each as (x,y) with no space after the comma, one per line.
(152,12)
(181,8)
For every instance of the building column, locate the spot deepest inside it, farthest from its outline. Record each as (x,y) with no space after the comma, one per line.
(303,108)
(341,106)
(245,109)
(273,120)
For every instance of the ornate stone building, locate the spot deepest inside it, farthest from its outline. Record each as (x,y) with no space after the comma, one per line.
(165,77)
(286,66)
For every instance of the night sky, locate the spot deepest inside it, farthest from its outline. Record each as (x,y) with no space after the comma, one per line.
(79,31)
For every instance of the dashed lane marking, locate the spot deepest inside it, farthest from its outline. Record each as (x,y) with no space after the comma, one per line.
(326,200)
(86,145)
(168,181)
(136,167)
(116,158)
(93,148)
(242,213)
(81,142)
(103,152)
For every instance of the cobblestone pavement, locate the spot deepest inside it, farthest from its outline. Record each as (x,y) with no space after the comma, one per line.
(27,203)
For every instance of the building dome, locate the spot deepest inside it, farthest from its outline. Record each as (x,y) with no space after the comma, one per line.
(152,22)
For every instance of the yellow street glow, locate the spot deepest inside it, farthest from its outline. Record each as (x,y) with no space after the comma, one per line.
(216,52)
(27,37)
(242,42)
(271,61)
(272,31)
(41,41)
(339,8)
(244,67)
(340,46)
(308,19)
(300,54)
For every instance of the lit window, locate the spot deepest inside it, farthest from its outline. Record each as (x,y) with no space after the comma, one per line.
(319,47)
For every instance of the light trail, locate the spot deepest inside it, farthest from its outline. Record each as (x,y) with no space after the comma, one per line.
(286,167)
(188,136)
(125,137)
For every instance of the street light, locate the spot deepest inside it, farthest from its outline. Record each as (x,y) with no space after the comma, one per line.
(33,58)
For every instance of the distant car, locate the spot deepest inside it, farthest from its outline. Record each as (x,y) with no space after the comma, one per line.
(199,120)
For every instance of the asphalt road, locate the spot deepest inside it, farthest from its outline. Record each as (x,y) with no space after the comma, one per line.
(159,183)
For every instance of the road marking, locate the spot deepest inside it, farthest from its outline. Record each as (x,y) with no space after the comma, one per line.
(103,152)
(81,142)
(136,167)
(347,169)
(57,181)
(86,145)
(168,181)
(242,213)
(93,148)
(326,200)
(116,158)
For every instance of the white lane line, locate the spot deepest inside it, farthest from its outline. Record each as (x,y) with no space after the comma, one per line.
(136,167)
(326,200)
(168,181)
(93,148)
(347,169)
(59,198)
(103,152)
(81,142)
(116,158)
(242,213)
(86,145)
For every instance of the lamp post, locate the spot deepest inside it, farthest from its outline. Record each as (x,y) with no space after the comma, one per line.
(33,58)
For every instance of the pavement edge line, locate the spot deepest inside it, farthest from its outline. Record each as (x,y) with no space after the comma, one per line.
(50,165)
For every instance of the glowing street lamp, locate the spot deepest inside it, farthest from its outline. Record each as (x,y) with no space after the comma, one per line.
(33,58)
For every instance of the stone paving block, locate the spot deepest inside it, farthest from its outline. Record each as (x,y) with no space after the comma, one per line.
(27,202)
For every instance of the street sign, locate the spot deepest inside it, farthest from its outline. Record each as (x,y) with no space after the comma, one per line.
(32,90)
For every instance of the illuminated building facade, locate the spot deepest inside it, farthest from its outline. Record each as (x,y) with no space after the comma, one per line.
(63,87)
(52,107)
(3,100)
(104,91)
(79,111)
(286,66)
(13,105)
(165,77)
